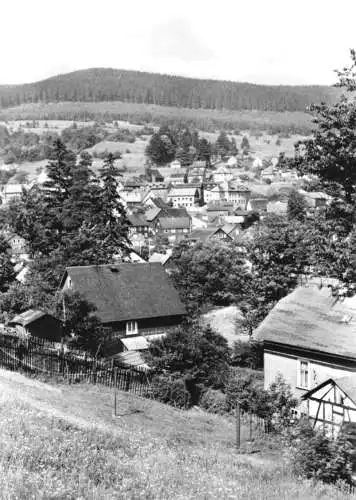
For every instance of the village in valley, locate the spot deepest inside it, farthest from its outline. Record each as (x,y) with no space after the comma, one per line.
(177,288)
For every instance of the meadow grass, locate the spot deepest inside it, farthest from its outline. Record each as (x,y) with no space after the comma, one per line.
(44,454)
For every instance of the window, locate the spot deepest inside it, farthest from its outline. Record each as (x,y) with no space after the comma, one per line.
(131,328)
(303,374)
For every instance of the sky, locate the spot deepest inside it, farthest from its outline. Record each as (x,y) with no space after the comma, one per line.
(269,42)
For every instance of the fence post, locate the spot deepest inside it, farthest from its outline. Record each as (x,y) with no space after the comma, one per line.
(238,426)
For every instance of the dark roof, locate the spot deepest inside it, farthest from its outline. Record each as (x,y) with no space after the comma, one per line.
(203,234)
(126,291)
(174,222)
(27,317)
(137,220)
(220,206)
(311,318)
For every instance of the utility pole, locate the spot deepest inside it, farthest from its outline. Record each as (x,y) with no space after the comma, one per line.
(238,426)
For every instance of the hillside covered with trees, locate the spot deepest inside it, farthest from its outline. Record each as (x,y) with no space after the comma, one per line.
(106,84)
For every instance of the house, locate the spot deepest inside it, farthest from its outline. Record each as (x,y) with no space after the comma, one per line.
(11,191)
(309,337)
(177,178)
(158,190)
(175,164)
(257,205)
(219,209)
(17,244)
(174,227)
(212,233)
(37,324)
(316,199)
(212,192)
(235,193)
(232,162)
(161,258)
(196,173)
(198,222)
(222,174)
(268,173)
(277,207)
(231,230)
(138,224)
(184,195)
(133,196)
(133,300)
(331,405)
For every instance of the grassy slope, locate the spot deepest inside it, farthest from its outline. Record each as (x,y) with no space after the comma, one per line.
(63,442)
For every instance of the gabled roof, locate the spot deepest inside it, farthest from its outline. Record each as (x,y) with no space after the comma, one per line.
(311,318)
(346,384)
(258,203)
(228,228)
(220,207)
(239,188)
(137,220)
(183,191)
(160,257)
(152,213)
(27,317)
(123,292)
(174,222)
(203,234)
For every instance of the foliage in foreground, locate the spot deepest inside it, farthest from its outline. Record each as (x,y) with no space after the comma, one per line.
(83,462)
(316,456)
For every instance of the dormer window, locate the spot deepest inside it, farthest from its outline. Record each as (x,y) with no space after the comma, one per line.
(131,328)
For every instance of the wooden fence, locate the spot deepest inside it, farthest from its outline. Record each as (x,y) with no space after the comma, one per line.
(35,357)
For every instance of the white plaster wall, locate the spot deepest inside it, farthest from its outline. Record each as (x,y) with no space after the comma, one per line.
(288,367)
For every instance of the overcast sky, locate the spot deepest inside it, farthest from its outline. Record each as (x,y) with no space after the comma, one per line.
(261,41)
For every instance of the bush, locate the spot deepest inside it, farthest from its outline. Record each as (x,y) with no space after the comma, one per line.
(170,390)
(214,401)
(244,388)
(248,354)
(315,456)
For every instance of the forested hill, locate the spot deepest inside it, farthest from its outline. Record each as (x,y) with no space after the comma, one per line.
(150,88)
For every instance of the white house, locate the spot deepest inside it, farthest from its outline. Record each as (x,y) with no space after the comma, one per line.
(235,193)
(183,196)
(212,192)
(309,337)
(222,174)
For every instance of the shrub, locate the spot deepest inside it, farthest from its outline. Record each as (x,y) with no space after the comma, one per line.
(244,388)
(214,401)
(173,391)
(315,456)
(248,354)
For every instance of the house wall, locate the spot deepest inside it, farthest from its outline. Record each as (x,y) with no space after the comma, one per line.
(328,408)
(150,326)
(288,366)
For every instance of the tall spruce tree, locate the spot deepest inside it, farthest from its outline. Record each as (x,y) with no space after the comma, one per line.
(112,226)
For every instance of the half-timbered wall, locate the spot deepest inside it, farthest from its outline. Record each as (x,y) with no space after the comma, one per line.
(328,408)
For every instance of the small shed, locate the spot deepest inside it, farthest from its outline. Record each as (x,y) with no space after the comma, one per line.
(37,323)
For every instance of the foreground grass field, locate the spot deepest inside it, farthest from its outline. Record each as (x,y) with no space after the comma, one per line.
(62,442)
